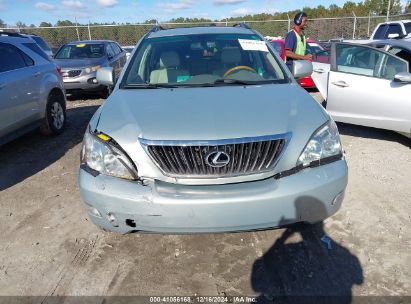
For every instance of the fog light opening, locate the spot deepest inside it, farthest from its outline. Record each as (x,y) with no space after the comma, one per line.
(93,211)
(112,219)
(338,199)
(130,223)
(92,80)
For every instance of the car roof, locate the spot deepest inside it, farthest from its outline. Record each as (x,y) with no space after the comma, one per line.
(15,38)
(199,30)
(393,42)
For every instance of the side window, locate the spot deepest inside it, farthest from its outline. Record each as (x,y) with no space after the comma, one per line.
(116,48)
(408,27)
(366,61)
(35,48)
(11,58)
(393,29)
(27,59)
(403,54)
(379,34)
(110,51)
(393,66)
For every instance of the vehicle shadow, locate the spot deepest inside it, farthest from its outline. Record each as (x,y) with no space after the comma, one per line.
(34,152)
(368,132)
(83,96)
(306,271)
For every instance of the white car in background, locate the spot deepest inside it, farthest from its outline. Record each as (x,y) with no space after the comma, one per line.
(367,85)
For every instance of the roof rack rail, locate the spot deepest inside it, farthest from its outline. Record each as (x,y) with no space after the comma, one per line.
(12,34)
(243,25)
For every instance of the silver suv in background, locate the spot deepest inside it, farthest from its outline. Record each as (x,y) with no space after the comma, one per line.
(31,89)
(80,60)
(207,130)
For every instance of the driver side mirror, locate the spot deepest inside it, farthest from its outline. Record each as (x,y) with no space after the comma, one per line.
(105,76)
(393,36)
(403,77)
(302,68)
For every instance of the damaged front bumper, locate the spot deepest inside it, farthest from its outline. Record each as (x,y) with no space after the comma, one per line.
(310,195)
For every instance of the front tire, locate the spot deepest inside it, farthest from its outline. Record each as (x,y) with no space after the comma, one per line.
(55,120)
(106,92)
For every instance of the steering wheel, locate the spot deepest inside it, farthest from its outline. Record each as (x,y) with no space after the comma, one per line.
(240,67)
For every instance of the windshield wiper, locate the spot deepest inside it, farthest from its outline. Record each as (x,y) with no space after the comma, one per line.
(148,86)
(233,81)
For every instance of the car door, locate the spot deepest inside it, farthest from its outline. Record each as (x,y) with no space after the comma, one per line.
(112,58)
(121,54)
(320,77)
(118,58)
(18,96)
(362,89)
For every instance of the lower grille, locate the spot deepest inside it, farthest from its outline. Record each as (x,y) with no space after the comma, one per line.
(225,158)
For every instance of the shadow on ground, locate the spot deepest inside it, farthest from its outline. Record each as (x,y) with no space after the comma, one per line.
(374,133)
(307,271)
(84,96)
(33,152)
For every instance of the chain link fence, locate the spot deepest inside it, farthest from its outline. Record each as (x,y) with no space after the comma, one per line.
(321,28)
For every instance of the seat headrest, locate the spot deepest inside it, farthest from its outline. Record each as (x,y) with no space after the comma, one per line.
(169,60)
(230,55)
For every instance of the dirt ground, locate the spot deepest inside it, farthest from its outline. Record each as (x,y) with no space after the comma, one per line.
(48,246)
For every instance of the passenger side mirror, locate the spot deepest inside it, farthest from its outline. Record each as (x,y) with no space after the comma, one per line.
(302,68)
(105,76)
(393,36)
(403,77)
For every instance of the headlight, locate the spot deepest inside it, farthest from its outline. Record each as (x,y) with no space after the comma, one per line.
(325,143)
(92,69)
(102,156)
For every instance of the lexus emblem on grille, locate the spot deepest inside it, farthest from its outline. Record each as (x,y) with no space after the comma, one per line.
(217,159)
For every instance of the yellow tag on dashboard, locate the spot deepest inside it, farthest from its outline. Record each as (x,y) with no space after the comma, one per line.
(81,45)
(104,137)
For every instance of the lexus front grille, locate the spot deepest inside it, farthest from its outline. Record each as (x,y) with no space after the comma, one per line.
(217,158)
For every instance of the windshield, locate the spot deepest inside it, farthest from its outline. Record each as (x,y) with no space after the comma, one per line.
(81,51)
(195,60)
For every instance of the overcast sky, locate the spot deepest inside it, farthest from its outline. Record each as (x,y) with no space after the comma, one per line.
(133,11)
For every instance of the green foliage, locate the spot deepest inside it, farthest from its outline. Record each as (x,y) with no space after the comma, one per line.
(45,24)
(64,23)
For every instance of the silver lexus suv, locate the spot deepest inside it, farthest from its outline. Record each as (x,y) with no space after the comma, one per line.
(207,131)
(31,89)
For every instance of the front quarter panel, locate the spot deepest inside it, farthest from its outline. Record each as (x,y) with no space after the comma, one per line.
(50,81)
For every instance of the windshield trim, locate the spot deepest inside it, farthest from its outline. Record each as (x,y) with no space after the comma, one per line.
(204,85)
(270,48)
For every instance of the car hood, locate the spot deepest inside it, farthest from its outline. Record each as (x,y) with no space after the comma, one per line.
(224,112)
(78,63)
(209,113)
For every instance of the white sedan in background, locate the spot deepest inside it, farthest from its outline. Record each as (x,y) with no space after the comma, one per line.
(368,85)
